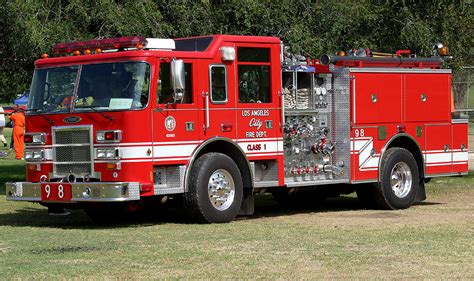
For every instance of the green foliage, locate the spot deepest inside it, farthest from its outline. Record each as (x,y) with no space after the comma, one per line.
(29,28)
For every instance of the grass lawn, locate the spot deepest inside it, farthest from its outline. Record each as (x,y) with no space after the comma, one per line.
(7,132)
(337,240)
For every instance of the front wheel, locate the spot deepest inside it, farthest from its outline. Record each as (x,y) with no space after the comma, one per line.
(399,180)
(215,189)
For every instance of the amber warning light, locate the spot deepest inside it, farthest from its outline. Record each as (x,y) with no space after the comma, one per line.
(101,44)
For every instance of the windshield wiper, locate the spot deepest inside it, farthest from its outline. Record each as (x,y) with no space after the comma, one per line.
(33,110)
(39,109)
(97,111)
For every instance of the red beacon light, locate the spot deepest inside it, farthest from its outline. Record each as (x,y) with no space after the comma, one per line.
(101,44)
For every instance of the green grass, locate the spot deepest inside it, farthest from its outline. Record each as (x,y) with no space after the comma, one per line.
(7,132)
(336,240)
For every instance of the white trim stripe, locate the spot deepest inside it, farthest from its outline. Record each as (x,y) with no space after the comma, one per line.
(438,157)
(174,150)
(460,156)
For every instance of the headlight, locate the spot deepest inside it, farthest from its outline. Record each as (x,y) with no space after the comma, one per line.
(100,136)
(28,154)
(107,153)
(34,154)
(38,138)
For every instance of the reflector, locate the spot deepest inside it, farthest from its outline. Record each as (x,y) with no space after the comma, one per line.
(443,51)
(28,139)
(33,167)
(110,135)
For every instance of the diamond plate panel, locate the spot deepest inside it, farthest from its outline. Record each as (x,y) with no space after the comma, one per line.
(266,171)
(341,119)
(134,191)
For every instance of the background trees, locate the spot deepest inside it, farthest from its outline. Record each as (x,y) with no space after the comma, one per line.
(29,28)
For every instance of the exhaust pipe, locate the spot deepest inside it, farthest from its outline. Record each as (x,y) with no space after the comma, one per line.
(326,59)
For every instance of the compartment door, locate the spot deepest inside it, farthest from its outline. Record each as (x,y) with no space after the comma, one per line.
(438,153)
(428,97)
(377,98)
(460,148)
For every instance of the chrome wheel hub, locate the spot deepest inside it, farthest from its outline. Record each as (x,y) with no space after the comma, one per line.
(221,189)
(401,179)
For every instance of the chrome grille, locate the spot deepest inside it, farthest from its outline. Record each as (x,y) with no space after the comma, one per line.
(72,151)
(73,154)
(72,136)
(76,169)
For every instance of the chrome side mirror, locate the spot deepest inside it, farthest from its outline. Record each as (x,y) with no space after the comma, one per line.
(178,79)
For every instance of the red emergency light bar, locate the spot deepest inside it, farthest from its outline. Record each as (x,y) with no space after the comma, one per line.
(103,44)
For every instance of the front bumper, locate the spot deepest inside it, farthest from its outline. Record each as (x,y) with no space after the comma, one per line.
(80,191)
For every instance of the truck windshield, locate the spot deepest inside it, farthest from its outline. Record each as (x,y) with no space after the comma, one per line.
(92,87)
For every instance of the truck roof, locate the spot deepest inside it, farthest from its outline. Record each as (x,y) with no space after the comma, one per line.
(189,47)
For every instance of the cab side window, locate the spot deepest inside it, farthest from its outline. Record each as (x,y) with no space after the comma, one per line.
(218,84)
(165,89)
(254,75)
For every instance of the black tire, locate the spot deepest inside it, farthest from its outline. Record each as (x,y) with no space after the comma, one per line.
(197,200)
(398,161)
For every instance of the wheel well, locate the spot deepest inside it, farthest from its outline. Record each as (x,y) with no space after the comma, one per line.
(231,150)
(410,145)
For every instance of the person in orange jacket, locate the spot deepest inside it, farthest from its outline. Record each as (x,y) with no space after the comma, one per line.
(18,118)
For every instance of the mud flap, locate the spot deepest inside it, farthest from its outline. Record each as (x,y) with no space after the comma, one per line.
(248,205)
(421,193)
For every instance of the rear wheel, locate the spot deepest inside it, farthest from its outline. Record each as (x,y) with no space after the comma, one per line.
(399,180)
(215,189)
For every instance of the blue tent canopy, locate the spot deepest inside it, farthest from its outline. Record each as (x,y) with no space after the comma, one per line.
(23,99)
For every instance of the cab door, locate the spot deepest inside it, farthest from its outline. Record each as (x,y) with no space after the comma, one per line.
(175,123)
(217,98)
(259,112)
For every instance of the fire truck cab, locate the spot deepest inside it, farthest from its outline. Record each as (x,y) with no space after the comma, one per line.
(212,120)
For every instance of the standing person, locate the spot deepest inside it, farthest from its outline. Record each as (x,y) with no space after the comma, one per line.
(18,118)
(2,125)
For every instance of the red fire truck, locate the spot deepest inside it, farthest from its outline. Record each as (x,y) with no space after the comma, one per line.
(213,120)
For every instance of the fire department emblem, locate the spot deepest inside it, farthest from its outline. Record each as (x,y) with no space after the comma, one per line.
(71,119)
(170,123)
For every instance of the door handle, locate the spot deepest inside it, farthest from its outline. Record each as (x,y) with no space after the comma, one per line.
(226,127)
(206,105)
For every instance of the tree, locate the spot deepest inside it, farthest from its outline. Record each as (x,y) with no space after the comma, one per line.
(29,28)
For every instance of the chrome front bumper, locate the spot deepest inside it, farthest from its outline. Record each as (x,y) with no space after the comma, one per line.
(80,191)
